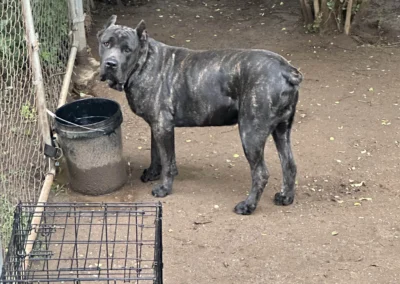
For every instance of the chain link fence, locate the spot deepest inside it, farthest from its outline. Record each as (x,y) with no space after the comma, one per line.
(22,164)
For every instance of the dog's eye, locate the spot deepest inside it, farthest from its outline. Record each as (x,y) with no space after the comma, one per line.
(106,44)
(127,50)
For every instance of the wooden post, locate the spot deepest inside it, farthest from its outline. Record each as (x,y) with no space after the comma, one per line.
(78,20)
(33,52)
(347,23)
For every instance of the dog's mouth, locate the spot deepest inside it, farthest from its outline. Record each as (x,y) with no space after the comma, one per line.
(113,82)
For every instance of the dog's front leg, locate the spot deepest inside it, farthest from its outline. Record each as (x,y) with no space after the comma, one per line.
(154,171)
(163,134)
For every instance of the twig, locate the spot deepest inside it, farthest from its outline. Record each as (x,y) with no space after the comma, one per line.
(56,74)
(369,103)
(202,223)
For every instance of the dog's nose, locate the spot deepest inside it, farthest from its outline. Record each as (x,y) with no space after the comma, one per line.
(111,63)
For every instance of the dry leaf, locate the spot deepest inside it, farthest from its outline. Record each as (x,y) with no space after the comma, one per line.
(335,233)
(358,184)
(365,199)
(357,204)
(236,155)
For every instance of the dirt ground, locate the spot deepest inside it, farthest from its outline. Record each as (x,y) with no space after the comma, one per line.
(344,224)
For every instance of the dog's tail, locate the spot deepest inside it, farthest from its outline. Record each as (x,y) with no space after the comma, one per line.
(292,75)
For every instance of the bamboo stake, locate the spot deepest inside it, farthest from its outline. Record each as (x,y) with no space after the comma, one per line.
(37,216)
(68,73)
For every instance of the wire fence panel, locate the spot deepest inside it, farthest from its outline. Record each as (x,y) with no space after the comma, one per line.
(22,164)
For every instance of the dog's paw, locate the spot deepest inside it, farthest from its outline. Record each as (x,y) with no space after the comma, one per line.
(150,174)
(283,200)
(160,191)
(244,209)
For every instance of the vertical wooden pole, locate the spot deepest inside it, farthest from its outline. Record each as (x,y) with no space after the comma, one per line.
(35,65)
(347,23)
(316,8)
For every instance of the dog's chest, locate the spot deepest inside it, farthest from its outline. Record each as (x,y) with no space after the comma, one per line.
(143,101)
(138,103)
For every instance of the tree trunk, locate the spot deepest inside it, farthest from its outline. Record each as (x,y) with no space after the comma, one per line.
(307,12)
(316,9)
(348,17)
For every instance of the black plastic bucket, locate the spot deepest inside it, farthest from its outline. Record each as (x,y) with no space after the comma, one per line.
(89,132)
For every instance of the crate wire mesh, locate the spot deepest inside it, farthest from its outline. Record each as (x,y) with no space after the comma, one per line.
(81,242)
(22,164)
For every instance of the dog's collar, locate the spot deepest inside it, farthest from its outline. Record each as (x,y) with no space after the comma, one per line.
(140,63)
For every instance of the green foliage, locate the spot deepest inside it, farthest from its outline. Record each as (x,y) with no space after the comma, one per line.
(331,5)
(316,25)
(356,8)
(6,220)
(52,29)
(51,26)
(12,42)
(28,112)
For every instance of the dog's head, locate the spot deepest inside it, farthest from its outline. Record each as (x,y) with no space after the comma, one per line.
(119,48)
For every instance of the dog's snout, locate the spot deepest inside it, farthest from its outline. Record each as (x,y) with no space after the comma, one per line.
(111,63)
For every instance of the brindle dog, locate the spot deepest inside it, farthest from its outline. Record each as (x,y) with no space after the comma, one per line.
(177,87)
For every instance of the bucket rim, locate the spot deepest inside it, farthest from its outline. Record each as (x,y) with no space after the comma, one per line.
(61,121)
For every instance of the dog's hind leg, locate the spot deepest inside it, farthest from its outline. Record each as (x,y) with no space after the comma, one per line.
(254,134)
(281,136)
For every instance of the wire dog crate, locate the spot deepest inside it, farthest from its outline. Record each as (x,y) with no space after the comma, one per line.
(86,242)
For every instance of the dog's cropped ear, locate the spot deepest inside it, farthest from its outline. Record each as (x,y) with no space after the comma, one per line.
(110,22)
(141,31)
